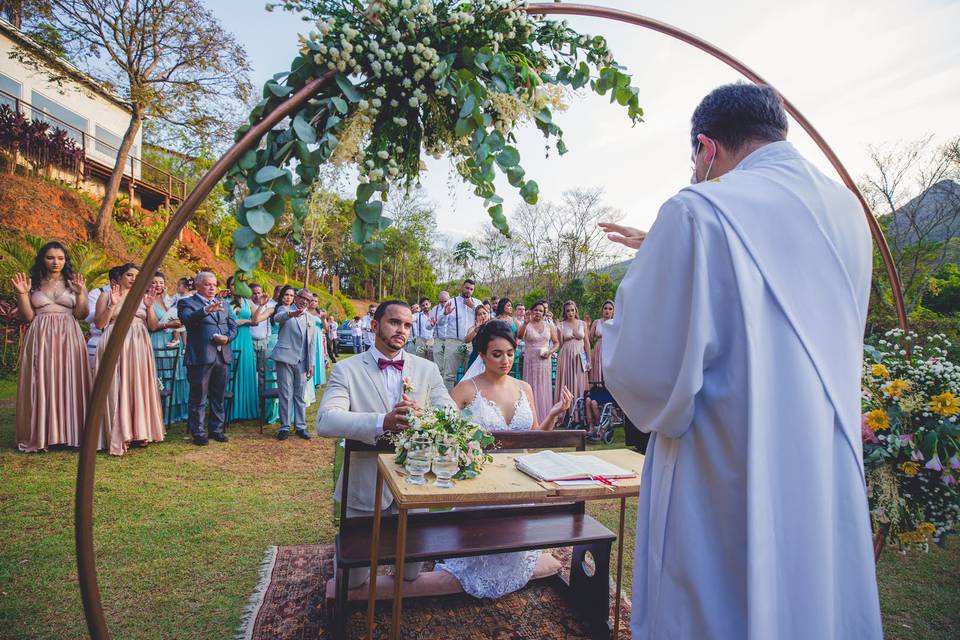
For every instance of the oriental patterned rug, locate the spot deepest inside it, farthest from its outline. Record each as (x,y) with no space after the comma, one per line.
(289,605)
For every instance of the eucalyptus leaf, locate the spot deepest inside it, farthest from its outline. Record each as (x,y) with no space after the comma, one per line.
(364,191)
(351,92)
(260,221)
(244,237)
(530,192)
(339,104)
(248,257)
(369,212)
(240,288)
(373,252)
(275,206)
(279,90)
(468,106)
(304,129)
(248,160)
(257,199)
(268,173)
(509,157)
(385,222)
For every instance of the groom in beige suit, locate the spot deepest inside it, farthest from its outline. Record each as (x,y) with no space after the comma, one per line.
(365,398)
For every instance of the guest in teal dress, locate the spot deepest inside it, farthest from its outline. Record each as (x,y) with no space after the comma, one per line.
(246,397)
(319,369)
(169,338)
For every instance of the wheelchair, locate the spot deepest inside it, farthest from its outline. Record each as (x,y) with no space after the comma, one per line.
(611,416)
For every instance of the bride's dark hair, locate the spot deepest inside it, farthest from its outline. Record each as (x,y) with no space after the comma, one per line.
(490,331)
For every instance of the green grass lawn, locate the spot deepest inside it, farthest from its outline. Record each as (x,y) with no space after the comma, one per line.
(181,530)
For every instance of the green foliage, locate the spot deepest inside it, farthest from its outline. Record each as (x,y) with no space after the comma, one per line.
(943,291)
(600,287)
(445,76)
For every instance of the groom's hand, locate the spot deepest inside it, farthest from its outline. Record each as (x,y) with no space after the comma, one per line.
(399,418)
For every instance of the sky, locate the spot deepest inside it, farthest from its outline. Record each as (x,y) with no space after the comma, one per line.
(863,72)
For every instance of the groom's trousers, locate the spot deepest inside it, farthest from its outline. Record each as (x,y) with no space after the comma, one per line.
(359,576)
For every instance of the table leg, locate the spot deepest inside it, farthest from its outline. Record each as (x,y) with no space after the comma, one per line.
(398,573)
(616,602)
(374,556)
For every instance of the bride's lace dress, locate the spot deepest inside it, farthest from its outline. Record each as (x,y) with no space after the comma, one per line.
(495,575)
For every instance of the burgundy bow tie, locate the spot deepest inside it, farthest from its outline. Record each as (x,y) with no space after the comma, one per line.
(383,363)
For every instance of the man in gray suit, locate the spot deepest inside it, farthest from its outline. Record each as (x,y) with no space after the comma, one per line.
(295,356)
(365,398)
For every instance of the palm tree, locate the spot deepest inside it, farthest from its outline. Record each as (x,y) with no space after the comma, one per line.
(463,254)
(88,261)
(17,254)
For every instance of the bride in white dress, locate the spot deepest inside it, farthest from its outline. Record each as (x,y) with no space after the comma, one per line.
(498,402)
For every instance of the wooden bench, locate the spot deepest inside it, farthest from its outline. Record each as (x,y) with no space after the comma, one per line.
(473,532)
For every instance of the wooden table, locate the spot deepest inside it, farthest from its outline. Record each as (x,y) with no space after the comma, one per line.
(500,483)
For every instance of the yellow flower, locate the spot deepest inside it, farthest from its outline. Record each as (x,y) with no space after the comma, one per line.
(927,529)
(879,371)
(878,420)
(910,468)
(946,404)
(896,388)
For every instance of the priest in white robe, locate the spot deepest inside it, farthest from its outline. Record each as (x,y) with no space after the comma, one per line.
(737,342)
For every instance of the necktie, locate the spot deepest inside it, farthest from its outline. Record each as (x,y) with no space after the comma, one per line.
(383,363)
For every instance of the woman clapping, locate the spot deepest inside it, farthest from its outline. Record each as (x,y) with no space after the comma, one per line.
(54,373)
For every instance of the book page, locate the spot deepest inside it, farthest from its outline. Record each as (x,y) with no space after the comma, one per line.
(549,465)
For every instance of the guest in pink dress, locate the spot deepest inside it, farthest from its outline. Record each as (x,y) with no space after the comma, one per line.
(134,413)
(596,335)
(538,336)
(54,374)
(571,372)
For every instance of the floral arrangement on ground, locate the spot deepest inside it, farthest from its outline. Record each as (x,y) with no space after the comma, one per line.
(911,404)
(447,427)
(442,77)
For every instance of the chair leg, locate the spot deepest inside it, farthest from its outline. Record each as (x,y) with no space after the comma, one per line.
(339,621)
(591,593)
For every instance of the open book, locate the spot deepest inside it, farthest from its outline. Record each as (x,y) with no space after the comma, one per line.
(550,466)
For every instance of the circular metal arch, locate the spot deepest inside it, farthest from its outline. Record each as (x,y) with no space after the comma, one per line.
(96,408)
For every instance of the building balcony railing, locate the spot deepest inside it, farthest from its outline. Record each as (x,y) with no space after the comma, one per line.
(100,152)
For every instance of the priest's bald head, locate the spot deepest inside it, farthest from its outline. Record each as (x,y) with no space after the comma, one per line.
(730,123)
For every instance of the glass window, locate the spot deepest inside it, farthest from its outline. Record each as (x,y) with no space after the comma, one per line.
(11,87)
(45,106)
(107,143)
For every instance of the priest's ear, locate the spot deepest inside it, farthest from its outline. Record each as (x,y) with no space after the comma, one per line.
(709,146)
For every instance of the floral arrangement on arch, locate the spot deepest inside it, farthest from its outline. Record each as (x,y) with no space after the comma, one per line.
(448,427)
(414,77)
(911,405)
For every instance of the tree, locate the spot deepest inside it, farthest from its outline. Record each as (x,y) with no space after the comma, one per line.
(914,190)
(170,59)
(465,253)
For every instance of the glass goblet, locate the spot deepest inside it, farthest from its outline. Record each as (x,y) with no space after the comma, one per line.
(419,454)
(446,464)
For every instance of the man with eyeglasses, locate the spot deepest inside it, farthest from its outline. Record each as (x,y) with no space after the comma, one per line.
(295,356)
(753,508)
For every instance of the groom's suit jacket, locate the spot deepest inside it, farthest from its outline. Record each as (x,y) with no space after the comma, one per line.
(352,404)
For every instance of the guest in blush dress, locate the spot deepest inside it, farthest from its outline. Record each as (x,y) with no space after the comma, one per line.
(571,372)
(54,370)
(134,412)
(539,344)
(596,335)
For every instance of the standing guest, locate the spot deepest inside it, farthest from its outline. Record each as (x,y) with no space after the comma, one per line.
(283,295)
(505,314)
(482,316)
(332,337)
(320,366)
(573,359)
(246,386)
(460,313)
(184,290)
(294,356)
(540,343)
(520,314)
(411,346)
(356,332)
(210,329)
(54,373)
(438,321)
(596,335)
(423,326)
(752,518)
(260,322)
(113,277)
(352,408)
(166,337)
(366,323)
(134,412)
(494,302)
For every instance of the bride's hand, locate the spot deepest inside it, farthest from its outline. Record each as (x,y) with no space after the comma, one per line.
(566,399)
(627,236)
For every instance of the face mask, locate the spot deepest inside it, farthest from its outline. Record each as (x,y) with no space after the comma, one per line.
(693,178)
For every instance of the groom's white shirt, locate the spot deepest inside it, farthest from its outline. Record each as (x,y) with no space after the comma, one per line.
(354,404)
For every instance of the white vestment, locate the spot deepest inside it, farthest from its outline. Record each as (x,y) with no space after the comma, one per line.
(737,341)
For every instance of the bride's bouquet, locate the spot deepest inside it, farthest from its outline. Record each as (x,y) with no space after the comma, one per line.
(448,428)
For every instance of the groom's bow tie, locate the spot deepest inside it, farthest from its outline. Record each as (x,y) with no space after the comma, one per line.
(383,363)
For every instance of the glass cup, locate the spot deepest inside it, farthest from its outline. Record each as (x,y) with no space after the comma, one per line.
(446,464)
(419,455)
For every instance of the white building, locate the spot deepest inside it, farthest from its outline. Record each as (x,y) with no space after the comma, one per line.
(91,114)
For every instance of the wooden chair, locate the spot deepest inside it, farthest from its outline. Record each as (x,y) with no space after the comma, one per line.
(166,360)
(230,394)
(267,387)
(438,535)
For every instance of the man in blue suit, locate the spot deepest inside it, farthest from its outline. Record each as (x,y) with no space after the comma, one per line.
(210,329)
